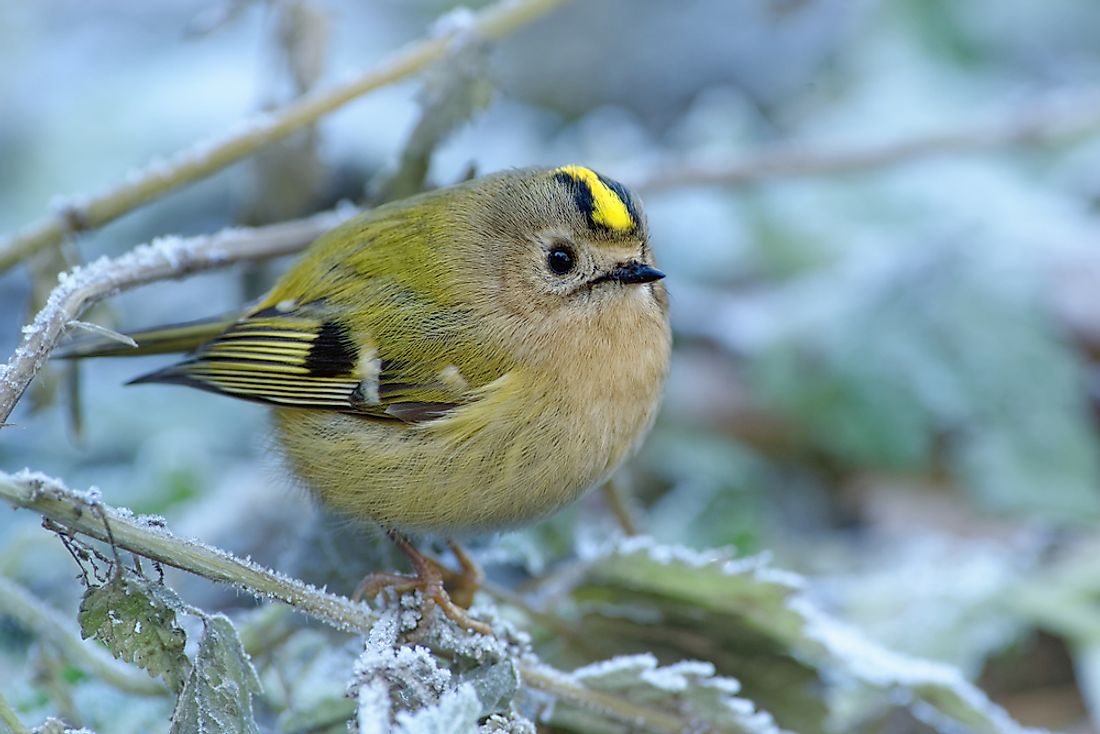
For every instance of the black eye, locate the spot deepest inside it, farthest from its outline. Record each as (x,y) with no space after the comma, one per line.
(560,260)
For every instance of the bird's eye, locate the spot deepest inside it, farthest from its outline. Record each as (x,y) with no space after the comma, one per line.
(560,260)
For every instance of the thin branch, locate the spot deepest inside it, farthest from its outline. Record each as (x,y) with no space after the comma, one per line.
(83,213)
(9,721)
(54,501)
(169,257)
(1045,121)
(45,623)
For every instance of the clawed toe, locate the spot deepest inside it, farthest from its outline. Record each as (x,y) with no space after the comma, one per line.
(428,580)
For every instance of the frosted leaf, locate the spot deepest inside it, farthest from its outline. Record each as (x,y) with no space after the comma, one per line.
(136,619)
(616,673)
(461,679)
(57,726)
(456,713)
(217,698)
(744,602)
(494,685)
(942,697)
(510,724)
(688,690)
(389,678)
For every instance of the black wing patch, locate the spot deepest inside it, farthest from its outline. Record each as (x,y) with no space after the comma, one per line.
(333,352)
(270,357)
(300,360)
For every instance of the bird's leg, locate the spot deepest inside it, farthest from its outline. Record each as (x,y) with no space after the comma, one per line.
(465,583)
(428,580)
(619,501)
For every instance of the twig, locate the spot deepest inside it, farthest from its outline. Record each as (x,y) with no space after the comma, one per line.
(1066,116)
(83,213)
(169,257)
(54,501)
(9,722)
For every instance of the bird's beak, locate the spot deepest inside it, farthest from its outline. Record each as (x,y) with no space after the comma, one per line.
(634,272)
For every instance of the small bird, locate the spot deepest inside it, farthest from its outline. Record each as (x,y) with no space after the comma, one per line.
(469,359)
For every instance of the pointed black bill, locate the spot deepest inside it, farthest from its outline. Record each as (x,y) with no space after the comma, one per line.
(634,272)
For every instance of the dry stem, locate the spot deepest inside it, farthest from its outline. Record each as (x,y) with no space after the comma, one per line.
(83,213)
(162,259)
(1058,118)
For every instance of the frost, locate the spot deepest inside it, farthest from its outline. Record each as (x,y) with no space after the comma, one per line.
(450,687)
(616,672)
(740,600)
(458,20)
(688,688)
(218,694)
(456,712)
(57,726)
(136,620)
(510,724)
(941,695)
(721,559)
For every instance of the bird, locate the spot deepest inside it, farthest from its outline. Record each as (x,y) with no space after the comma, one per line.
(467,360)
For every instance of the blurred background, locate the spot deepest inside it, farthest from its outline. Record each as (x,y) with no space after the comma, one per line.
(885,373)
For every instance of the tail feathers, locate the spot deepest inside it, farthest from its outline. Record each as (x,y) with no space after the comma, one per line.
(175,338)
(175,374)
(168,375)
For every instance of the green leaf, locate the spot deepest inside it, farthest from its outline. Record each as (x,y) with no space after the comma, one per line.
(218,694)
(136,619)
(495,684)
(689,689)
(753,622)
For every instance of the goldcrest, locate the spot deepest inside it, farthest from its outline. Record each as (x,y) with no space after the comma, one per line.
(469,359)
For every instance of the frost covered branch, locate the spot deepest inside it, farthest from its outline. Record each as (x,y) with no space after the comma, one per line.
(84,213)
(149,538)
(168,257)
(1065,116)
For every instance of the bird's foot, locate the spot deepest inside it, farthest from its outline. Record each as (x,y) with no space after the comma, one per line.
(428,579)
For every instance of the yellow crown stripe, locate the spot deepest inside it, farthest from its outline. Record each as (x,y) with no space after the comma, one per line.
(608,208)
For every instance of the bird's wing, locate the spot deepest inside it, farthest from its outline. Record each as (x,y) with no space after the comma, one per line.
(303,358)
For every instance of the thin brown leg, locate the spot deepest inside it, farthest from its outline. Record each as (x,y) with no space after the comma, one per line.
(428,579)
(619,502)
(465,583)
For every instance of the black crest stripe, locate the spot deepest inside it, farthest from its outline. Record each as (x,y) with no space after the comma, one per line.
(582,196)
